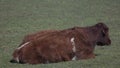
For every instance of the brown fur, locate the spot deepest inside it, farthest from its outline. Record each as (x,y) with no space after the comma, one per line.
(34,36)
(56,46)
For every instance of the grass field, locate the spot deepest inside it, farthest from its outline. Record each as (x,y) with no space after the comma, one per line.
(21,17)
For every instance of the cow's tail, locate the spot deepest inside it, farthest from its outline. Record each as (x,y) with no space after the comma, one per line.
(13,61)
(16,57)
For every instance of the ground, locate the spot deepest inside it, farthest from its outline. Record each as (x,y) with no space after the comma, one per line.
(21,17)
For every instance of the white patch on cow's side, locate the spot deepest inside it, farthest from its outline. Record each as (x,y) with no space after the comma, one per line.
(23,45)
(73,43)
(74,58)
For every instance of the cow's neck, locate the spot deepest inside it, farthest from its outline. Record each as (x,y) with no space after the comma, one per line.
(92,33)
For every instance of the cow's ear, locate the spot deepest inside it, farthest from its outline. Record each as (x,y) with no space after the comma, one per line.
(76,27)
(100,24)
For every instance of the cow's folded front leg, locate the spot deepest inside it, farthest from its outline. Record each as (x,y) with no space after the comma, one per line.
(85,55)
(66,58)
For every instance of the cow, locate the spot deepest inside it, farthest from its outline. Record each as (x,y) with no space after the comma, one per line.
(54,46)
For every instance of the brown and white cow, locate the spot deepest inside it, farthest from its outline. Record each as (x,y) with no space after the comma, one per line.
(62,45)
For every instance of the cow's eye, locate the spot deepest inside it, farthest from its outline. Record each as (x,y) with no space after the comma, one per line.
(103,33)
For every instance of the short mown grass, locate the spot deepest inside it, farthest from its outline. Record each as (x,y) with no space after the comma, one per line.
(21,17)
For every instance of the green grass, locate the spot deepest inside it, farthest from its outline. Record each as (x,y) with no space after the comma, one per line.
(21,17)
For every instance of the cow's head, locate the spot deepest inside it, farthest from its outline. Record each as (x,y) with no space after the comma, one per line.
(103,34)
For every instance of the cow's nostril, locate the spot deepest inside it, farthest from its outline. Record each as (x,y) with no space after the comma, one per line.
(109,42)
